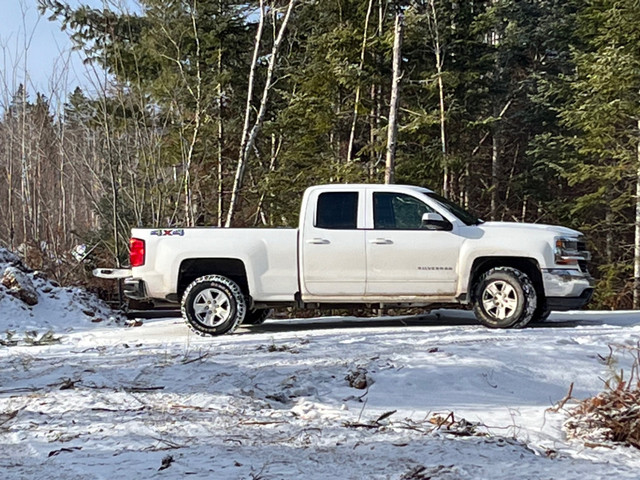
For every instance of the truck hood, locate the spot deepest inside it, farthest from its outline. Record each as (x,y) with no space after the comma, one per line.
(555,229)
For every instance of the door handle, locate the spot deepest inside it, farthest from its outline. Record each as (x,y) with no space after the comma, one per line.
(381,241)
(318,241)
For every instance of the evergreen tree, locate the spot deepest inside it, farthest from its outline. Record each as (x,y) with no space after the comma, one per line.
(601,114)
(517,109)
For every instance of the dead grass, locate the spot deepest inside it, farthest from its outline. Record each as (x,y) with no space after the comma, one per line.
(612,416)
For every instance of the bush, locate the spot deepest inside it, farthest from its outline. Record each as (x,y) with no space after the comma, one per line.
(612,415)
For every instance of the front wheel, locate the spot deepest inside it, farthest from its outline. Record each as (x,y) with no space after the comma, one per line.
(213,305)
(504,297)
(257,316)
(541,314)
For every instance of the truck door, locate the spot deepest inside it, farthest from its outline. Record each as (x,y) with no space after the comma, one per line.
(332,246)
(404,258)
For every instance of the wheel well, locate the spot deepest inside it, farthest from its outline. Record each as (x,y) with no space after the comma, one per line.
(528,266)
(193,268)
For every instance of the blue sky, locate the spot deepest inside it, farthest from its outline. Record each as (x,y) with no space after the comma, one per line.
(47,55)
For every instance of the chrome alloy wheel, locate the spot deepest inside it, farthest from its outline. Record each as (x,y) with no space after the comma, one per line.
(212,307)
(499,299)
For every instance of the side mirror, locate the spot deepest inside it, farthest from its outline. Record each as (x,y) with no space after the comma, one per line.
(435,221)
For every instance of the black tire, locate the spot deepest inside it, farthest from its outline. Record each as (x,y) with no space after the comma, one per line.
(213,305)
(504,297)
(257,316)
(541,313)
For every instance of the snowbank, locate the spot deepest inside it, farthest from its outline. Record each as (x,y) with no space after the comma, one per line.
(29,301)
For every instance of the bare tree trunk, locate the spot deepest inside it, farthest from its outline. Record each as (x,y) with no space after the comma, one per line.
(464,193)
(433,24)
(373,131)
(636,246)
(494,41)
(248,141)
(495,170)
(507,193)
(220,143)
(12,214)
(247,115)
(495,156)
(109,154)
(356,104)
(197,94)
(392,133)
(608,225)
(36,182)
(376,99)
(275,151)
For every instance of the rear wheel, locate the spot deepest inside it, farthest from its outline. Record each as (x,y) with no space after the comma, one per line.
(504,297)
(213,305)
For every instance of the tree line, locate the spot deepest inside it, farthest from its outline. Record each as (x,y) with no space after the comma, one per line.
(220,113)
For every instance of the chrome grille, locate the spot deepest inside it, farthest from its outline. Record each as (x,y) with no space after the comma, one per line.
(583,252)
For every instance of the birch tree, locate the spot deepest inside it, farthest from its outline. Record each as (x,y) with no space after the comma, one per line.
(392,133)
(434,27)
(249,136)
(356,102)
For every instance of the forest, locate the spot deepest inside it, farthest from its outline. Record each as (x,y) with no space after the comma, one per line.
(221,112)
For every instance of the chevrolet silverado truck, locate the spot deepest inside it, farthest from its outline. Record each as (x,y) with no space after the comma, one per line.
(376,245)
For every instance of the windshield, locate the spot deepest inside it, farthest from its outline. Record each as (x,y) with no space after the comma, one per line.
(455,209)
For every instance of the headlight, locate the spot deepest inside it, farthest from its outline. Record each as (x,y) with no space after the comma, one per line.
(567,251)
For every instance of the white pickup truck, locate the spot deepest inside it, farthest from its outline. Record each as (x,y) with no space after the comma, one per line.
(389,245)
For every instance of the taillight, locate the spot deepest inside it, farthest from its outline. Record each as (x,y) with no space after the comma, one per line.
(136,252)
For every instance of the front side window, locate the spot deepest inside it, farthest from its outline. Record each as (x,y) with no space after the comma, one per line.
(397,211)
(467,217)
(337,210)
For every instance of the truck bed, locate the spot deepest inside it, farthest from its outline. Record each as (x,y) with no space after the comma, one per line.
(269,254)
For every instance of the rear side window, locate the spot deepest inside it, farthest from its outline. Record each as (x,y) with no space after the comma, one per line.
(337,210)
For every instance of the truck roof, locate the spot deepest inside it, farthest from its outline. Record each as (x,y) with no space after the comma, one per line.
(369,186)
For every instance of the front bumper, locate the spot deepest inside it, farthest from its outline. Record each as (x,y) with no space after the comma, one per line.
(567,289)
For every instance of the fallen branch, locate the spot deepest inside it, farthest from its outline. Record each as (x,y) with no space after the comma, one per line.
(193,407)
(262,422)
(362,425)
(373,425)
(118,410)
(168,443)
(21,389)
(53,453)
(142,389)
(5,417)
(197,359)
(562,402)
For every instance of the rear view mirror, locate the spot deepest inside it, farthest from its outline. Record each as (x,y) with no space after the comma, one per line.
(435,221)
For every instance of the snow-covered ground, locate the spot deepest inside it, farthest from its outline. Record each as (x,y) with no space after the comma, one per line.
(276,402)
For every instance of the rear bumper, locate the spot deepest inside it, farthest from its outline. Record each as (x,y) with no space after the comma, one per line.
(567,289)
(112,273)
(135,289)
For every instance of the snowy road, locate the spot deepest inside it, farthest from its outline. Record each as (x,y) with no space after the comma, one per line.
(274,402)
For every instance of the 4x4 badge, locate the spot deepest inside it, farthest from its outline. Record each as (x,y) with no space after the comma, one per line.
(168,233)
